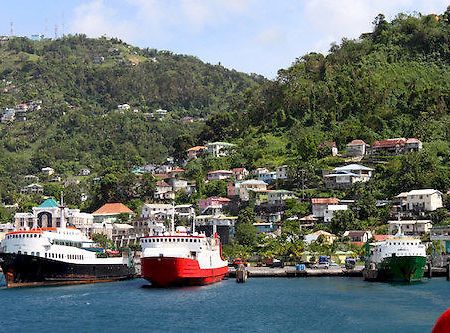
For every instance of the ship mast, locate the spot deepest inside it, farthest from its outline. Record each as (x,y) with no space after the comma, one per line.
(61,208)
(172,221)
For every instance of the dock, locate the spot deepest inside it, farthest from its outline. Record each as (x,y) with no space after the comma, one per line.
(290,271)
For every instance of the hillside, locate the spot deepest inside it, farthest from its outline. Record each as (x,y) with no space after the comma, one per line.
(390,83)
(81,81)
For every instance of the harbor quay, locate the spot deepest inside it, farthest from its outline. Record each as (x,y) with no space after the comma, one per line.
(291,271)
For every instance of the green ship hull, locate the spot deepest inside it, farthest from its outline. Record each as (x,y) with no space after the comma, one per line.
(398,269)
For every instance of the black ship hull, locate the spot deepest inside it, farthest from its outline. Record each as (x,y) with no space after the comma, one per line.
(22,270)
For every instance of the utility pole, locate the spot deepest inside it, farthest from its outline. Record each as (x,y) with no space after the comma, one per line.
(11,29)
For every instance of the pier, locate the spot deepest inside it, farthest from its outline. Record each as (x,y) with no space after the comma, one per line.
(290,271)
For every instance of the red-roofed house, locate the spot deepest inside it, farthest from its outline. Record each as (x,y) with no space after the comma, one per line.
(357,148)
(320,205)
(111,211)
(176,172)
(196,151)
(396,146)
(240,173)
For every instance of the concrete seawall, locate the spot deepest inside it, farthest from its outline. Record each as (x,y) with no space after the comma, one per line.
(290,271)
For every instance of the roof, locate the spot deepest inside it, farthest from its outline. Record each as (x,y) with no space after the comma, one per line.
(220,143)
(197,148)
(412,140)
(114,208)
(389,143)
(402,195)
(322,201)
(409,222)
(351,167)
(220,171)
(49,203)
(423,192)
(253,182)
(308,218)
(356,143)
(162,183)
(321,232)
(158,205)
(238,170)
(219,199)
(355,233)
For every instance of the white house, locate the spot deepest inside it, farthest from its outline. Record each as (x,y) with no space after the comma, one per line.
(156,210)
(410,227)
(358,235)
(327,237)
(320,205)
(282,172)
(219,149)
(345,176)
(357,148)
(278,197)
(220,174)
(48,171)
(250,185)
(268,177)
(424,200)
(331,209)
(32,189)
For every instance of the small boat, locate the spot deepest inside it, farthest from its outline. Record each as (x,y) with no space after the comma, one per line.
(397,259)
(178,258)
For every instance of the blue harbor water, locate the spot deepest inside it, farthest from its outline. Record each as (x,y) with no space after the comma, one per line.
(326,304)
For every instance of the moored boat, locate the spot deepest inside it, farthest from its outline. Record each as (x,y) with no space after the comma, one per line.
(178,258)
(58,256)
(397,259)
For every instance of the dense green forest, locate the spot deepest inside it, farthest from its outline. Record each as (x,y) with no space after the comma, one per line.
(391,82)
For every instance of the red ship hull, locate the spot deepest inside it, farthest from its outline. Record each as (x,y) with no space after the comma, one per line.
(168,271)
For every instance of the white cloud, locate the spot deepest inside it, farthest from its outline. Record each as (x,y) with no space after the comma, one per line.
(95,19)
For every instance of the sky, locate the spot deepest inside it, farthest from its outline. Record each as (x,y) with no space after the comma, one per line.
(253,36)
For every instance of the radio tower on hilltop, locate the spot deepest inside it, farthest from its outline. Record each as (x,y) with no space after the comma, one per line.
(11,29)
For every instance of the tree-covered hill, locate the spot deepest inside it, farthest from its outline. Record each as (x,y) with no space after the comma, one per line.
(392,82)
(81,82)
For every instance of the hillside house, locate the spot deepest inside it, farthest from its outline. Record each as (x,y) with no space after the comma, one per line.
(163,191)
(282,172)
(111,212)
(219,149)
(48,171)
(358,236)
(219,174)
(268,177)
(196,151)
(156,211)
(279,197)
(123,107)
(410,227)
(213,202)
(331,210)
(424,200)
(357,148)
(240,173)
(395,146)
(259,171)
(32,189)
(346,176)
(250,185)
(320,205)
(327,237)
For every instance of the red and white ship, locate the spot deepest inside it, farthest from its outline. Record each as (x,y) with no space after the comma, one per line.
(178,258)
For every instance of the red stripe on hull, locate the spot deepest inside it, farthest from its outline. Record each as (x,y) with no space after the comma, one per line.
(167,271)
